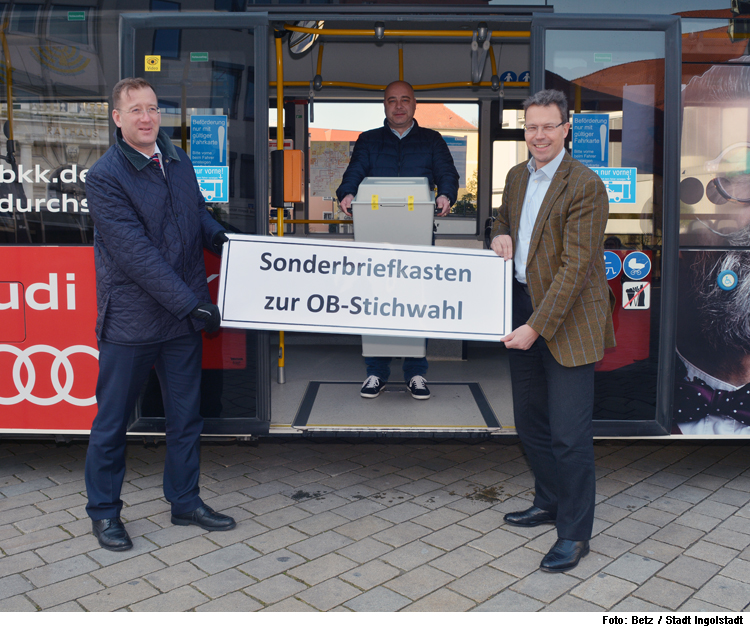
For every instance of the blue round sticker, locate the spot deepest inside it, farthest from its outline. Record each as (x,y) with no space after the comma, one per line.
(524,77)
(727,280)
(508,76)
(637,265)
(612,264)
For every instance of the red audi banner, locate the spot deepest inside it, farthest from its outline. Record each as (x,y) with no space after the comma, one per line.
(49,359)
(48,352)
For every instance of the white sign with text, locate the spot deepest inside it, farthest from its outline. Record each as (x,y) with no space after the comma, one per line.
(290,284)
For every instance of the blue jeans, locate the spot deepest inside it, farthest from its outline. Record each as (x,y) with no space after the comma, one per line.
(380,367)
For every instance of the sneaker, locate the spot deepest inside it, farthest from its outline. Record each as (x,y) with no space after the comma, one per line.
(372,387)
(418,387)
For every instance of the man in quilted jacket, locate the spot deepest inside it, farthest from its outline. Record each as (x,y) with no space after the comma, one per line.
(400,148)
(151,225)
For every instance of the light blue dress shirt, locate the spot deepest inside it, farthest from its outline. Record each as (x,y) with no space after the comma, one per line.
(539,182)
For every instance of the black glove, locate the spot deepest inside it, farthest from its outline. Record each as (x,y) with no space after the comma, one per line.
(210,315)
(218,240)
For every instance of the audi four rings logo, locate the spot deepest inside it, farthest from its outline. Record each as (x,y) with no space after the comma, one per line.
(23,359)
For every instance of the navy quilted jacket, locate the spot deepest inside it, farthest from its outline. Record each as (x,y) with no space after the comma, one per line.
(148,244)
(423,153)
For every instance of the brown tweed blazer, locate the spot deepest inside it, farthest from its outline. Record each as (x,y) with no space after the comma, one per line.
(565,267)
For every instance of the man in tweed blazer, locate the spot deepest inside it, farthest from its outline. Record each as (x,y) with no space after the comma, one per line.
(551,223)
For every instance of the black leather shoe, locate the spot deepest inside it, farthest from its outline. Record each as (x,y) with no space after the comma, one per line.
(564,555)
(532,517)
(111,534)
(206,518)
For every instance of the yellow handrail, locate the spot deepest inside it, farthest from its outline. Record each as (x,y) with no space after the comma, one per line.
(381,87)
(300,221)
(405,32)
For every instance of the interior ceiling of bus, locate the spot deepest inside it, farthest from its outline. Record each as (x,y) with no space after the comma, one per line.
(363,59)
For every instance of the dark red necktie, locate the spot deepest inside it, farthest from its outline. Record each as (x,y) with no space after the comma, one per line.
(155,160)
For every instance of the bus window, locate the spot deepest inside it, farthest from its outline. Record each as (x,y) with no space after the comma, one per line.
(712,339)
(506,154)
(335,129)
(42,191)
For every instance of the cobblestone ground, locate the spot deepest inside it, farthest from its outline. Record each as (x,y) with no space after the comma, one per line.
(379,526)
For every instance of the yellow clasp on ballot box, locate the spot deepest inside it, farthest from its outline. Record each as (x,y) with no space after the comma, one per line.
(410,203)
(374,202)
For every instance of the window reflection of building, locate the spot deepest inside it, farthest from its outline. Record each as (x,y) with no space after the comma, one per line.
(64,27)
(166,41)
(714,188)
(54,143)
(250,94)
(24,17)
(226,81)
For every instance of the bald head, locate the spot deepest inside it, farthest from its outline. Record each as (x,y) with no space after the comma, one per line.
(399,105)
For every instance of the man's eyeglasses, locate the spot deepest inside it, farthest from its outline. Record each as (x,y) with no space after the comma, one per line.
(137,112)
(547,128)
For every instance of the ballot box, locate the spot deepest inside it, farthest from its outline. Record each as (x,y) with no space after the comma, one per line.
(394,211)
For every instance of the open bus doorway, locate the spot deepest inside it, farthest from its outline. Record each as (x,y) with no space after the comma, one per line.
(324,372)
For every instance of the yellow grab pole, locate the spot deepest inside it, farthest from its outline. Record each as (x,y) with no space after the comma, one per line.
(8,80)
(183,110)
(281,377)
(320,57)
(492,60)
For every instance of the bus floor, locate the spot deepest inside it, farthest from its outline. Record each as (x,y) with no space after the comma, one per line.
(337,363)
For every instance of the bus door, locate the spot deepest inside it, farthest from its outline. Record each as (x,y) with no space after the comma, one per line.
(621,76)
(210,72)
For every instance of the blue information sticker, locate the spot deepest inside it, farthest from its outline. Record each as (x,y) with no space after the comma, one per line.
(637,265)
(213,183)
(612,264)
(508,76)
(620,183)
(208,141)
(727,280)
(591,139)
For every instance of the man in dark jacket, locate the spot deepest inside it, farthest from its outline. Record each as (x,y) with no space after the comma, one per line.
(151,225)
(400,148)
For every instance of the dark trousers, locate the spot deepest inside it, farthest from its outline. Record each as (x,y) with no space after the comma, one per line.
(381,367)
(123,370)
(553,407)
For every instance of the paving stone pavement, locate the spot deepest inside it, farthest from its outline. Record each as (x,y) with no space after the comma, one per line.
(379,525)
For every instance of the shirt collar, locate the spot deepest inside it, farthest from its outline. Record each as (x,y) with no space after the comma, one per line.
(156,150)
(694,372)
(548,169)
(405,133)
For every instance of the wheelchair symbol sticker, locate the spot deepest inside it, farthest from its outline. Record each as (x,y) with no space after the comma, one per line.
(727,280)
(612,264)
(636,265)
